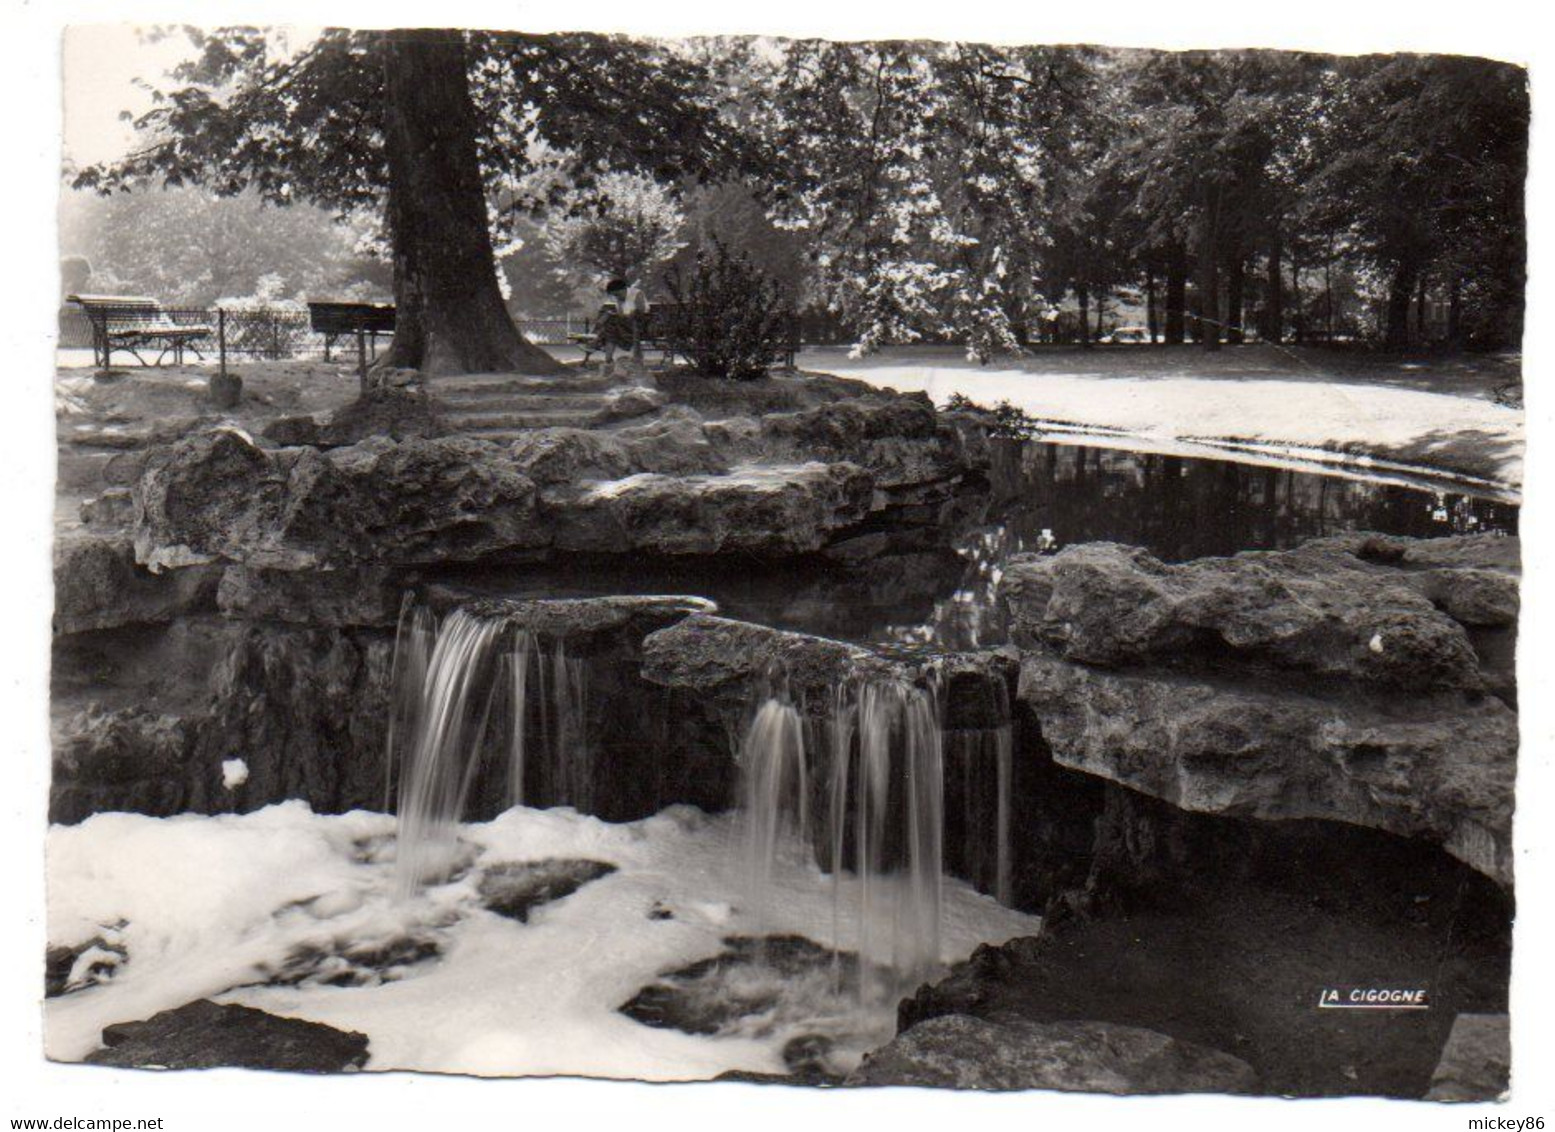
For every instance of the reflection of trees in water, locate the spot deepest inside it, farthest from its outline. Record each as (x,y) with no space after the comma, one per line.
(1050,496)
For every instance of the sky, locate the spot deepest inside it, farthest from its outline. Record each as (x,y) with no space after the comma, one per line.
(101,65)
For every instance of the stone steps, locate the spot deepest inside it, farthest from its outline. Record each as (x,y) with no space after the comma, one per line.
(518,402)
(446,388)
(481,423)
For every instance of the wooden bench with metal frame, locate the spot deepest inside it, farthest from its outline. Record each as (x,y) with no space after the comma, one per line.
(351,320)
(134,323)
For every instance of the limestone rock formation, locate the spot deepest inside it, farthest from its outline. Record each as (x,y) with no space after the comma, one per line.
(1312,610)
(709,653)
(1441,769)
(99,585)
(1356,679)
(959,1052)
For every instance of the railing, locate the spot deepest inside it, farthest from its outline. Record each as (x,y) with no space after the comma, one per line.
(271,333)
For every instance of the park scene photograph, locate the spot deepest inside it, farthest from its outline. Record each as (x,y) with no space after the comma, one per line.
(811,563)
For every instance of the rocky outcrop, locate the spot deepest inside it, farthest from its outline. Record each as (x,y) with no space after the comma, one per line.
(303,709)
(1350,680)
(671,484)
(1476,1061)
(369,596)
(709,654)
(516,888)
(219,496)
(1313,611)
(761,509)
(1437,769)
(99,585)
(960,1052)
(204,1035)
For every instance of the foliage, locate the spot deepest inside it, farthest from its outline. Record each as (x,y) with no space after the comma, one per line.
(187,247)
(733,321)
(625,225)
(920,191)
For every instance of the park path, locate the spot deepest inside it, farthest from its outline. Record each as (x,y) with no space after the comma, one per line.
(1333,419)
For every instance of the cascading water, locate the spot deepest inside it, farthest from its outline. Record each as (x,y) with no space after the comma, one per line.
(884,809)
(776,796)
(454,708)
(455,688)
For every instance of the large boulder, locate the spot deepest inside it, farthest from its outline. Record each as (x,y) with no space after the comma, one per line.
(1318,612)
(1439,768)
(99,585)
(772,510)
(205,1035)
(219,496)
(956,1051)
(709,654)
(901,440)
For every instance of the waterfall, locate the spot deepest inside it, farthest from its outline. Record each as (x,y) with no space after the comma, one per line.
(443,756)
(413,642)
(776,795)
(468,696)
(884,811)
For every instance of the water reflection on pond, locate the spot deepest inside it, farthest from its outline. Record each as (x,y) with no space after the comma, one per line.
(1045,497)
(1048,496)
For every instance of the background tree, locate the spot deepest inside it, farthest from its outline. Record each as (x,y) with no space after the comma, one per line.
(417,127)
(625,225)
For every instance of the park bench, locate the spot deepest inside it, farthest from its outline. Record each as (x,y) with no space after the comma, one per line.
(134,323)
(664,329)
(348,320)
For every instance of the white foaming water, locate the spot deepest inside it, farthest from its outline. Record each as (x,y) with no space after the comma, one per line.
(206,905)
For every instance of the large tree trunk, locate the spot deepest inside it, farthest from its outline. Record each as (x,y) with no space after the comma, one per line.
(1150,315)
(450,317)
(1176,294)
(1400,291)
(1208,255)
(1235,281)
(1274,294)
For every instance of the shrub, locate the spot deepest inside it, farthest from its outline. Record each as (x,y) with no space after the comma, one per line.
(734,319)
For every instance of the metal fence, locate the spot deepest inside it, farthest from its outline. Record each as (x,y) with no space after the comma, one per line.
(275,333)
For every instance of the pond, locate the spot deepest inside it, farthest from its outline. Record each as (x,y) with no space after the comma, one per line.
(1045,496)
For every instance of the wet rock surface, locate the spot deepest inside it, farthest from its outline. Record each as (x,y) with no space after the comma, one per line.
(1332,681)
(204,1035)
(707,653)
(960,1052)
(67,969)
(1476,1062)
(516,888)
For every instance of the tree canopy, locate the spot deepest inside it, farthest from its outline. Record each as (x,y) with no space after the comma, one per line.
(954,192)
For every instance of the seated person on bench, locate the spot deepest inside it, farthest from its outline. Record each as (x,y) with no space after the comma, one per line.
(620,320)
